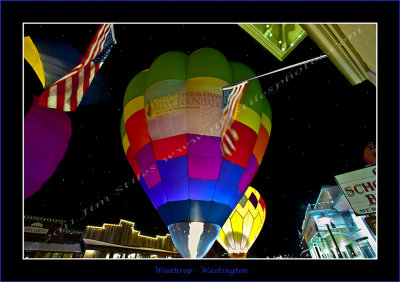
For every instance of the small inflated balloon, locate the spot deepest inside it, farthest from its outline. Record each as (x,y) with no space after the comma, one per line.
(171,135)
(60,58)
(46,137)
(244,224)
(369,155)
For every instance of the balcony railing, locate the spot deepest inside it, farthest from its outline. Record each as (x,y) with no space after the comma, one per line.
(315,207)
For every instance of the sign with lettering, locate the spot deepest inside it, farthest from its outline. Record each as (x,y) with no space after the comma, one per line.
(36,227)
(359,188)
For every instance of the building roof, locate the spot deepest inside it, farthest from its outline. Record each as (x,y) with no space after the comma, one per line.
(278,39)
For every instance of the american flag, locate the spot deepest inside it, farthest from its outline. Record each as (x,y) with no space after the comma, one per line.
(67,93)
(230,100)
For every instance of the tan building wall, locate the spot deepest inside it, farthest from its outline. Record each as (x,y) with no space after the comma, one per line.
(350,47)
(124,236)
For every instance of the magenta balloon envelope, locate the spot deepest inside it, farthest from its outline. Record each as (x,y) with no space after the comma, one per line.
(46,137)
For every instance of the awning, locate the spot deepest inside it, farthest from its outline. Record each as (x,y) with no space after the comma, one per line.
(52,247)
(361,239)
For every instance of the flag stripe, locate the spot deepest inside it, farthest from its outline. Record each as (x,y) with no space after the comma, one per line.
(44,97)
(71,88)
(233,102)
(81,78)
(92,71)
(234,99)
(89,56)
(74,101)
(60,95)
(52,98)
(231,96)
(68,90)
(101,42)
(98,44)
(86,78)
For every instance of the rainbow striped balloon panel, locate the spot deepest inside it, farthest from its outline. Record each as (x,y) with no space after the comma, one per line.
(171,134)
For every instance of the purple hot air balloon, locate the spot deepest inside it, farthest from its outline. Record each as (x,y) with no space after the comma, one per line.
(46,136)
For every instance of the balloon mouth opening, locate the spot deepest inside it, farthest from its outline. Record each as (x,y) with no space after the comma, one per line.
(193,239)
(238,255)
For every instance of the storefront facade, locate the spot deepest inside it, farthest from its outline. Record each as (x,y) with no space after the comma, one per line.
(332,229)
(45,238)
(122,241)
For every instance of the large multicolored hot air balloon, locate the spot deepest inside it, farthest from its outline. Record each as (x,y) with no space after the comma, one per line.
(243,225)
(171,134)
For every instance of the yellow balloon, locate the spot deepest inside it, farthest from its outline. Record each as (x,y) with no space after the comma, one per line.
(243,225)
(31,55)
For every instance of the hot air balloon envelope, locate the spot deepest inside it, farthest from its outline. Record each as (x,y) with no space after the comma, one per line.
(31,55)
(244,224)
(369,155)
(46,137)
(171,134)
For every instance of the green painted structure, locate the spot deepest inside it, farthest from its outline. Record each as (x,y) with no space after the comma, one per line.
(278,39)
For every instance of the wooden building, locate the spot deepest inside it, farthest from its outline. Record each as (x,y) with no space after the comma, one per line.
(45,238)
(123,241)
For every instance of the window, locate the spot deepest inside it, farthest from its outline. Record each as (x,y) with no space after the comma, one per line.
(348,219)
(56,255)
(317,251)
(367,250)
(351,251)
(89,254)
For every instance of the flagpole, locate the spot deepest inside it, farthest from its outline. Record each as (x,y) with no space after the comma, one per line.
(113,33)
(275,71)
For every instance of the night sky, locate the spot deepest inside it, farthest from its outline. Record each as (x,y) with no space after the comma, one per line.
(320,127)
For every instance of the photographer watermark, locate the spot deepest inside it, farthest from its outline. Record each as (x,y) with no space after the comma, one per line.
(93,207)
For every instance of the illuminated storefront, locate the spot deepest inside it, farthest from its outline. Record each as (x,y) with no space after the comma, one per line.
(331,229)
(120,241)
(45,238)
